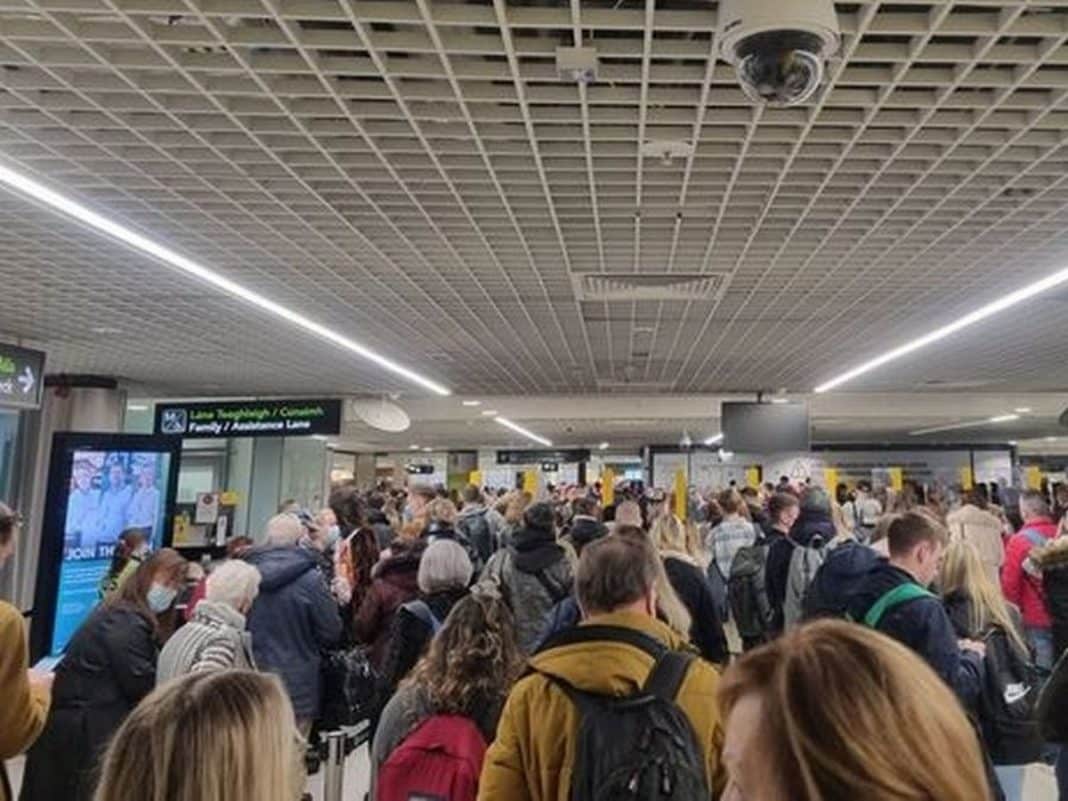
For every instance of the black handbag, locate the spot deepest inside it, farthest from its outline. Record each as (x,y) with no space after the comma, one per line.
(350,686)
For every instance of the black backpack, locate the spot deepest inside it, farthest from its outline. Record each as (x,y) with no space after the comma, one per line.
(637,747)
(747,592)
(1009,701)
(350,688)
(477,530)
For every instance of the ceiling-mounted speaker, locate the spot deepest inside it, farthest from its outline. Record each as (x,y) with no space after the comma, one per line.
(381,415)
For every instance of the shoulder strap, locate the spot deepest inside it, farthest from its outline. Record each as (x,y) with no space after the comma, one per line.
(422,611)
(620,634)
(556,592)
(908,591)
(1033,537)
(667,675)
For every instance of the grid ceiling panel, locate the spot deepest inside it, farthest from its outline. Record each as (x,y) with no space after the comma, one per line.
(415,173)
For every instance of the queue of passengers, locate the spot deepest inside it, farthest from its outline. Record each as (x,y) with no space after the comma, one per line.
(503,639)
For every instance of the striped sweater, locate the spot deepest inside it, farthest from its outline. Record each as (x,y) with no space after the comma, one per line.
(214,639)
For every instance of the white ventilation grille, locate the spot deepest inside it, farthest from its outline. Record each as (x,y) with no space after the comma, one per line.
(647,286)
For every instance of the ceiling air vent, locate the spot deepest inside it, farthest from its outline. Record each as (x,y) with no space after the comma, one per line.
(647,286)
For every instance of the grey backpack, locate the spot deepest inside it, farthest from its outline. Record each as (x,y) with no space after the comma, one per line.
(804,563)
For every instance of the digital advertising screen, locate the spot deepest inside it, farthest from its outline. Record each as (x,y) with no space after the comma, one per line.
(99,487)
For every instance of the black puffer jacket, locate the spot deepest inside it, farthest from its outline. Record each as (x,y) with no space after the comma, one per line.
(409,636)
(110,665)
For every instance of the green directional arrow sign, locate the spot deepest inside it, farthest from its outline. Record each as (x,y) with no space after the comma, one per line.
(21,377)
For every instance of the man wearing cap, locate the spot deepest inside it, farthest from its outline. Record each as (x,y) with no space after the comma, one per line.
(533,574)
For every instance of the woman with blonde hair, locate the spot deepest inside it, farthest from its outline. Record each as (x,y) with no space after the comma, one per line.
(514,509)
(225,736)
(975,604)
(978,611)
(679,550)
(834,711)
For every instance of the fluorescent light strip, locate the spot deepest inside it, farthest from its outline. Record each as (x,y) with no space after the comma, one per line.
(72,208)
(714,440)
(989,310)
(1002,418)
(504,421)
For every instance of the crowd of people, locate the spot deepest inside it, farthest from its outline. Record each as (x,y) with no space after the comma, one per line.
(775,642)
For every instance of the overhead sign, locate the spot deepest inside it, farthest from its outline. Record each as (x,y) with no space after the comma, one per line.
(269,418)
(21,377)
(536,456)
(550,467)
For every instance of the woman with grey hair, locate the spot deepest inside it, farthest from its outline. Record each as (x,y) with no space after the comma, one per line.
(215,638)
(445,573)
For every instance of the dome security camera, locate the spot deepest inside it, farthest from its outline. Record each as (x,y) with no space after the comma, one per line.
(778,47)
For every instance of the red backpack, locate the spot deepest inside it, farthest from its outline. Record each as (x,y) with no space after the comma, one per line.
(440,760)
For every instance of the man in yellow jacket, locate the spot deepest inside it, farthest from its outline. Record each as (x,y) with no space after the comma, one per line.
(533,756)
(23,696)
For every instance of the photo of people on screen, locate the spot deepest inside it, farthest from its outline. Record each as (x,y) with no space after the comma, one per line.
(111,492)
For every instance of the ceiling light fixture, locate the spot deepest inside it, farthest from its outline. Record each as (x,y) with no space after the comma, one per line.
(780,401)
(428,450)
(136,407)
(1002,418)
(472,403)
(1023,410)
(603,446)
(987,310)
(82,214)
(490,413)
(413,447)
(504,421)
(714,440)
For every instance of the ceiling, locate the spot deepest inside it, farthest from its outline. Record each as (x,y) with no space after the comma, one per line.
(416,175)
(628,422)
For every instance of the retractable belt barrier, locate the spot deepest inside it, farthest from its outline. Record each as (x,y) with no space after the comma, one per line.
(338,744)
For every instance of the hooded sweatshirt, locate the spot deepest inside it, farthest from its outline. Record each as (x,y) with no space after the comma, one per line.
(292,619)
(923,625)
(533,574)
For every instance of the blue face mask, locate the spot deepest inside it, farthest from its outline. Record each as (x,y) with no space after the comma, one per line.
(160,597)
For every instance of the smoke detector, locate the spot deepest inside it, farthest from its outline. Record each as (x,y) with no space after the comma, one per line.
(578,64)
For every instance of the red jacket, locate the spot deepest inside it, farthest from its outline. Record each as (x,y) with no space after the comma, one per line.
(1019,587)
(395,583)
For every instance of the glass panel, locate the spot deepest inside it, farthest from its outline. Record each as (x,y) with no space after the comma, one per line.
(9,429)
